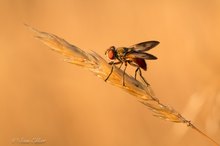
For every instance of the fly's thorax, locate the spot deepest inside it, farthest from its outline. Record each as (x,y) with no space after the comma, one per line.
(121,53)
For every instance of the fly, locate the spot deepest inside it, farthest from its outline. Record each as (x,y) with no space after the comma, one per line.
(134,55)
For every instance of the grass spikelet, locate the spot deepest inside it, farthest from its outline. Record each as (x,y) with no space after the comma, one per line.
(96,64)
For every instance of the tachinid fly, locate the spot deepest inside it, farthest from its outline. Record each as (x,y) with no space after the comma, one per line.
(134,55)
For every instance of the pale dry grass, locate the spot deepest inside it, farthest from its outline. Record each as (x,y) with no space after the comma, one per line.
(96,64)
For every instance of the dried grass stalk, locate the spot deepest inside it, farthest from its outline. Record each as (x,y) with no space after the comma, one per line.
(96,64)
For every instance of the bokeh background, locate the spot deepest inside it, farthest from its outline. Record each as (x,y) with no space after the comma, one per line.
(43,97)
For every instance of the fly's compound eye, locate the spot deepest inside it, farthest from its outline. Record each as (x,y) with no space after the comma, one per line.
(111,52)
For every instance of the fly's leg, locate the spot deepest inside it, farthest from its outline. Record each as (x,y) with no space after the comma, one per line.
(112,63)
(123,78)
(120,65)
(141,76)
(135,75)
(110,72)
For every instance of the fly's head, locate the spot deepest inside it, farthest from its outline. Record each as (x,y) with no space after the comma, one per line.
(111,53)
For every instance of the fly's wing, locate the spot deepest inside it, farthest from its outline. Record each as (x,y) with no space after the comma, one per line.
(144,46)
(140,55)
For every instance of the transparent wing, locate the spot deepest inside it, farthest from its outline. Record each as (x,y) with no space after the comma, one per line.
(145,46)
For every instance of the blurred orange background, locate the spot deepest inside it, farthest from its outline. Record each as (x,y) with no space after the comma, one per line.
(44,97)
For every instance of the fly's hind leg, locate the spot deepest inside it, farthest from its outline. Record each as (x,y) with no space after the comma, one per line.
(135,75)
(141,76)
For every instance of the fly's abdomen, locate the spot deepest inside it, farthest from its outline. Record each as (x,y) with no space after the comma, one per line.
(141,63)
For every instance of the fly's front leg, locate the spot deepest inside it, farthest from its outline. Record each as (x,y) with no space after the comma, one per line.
(110,72)
(112,63)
